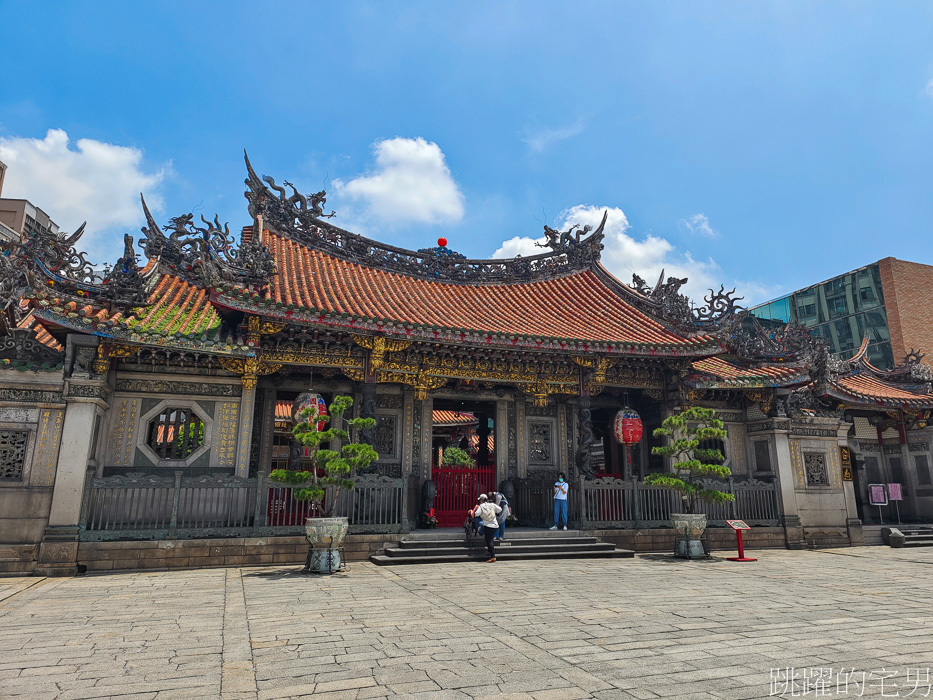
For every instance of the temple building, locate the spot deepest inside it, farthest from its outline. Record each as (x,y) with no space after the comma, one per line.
(142,407)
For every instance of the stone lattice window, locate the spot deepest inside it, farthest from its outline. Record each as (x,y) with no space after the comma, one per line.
(175,433)
(814,464)
(385,436)
(540,443)
(12,454)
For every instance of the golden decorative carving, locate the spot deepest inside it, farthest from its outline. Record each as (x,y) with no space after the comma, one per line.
(249,368)
(378,346)
(255,327)
(762,397)
(540,391)
(102,364)
(123,350)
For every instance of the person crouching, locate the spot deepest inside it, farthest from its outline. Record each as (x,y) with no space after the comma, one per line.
(487,512)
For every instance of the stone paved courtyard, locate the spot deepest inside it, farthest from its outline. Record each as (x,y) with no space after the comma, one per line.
(643,628)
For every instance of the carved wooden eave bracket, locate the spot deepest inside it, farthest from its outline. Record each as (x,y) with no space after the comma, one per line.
(257,327)
(422,381)
(110,351)
(594,379)
(378,346)
(249,368)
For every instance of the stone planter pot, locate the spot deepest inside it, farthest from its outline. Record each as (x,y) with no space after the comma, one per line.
(689,528)
(325,535)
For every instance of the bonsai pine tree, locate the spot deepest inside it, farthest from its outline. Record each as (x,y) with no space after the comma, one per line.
(691,462)
(338,468)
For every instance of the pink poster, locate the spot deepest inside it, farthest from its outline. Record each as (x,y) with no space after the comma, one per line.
(894,492)
(876,495)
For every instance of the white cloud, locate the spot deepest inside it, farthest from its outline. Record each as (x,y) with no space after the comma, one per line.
(540,139)
(95,182)
(623,254)
(411,183)
(698,223)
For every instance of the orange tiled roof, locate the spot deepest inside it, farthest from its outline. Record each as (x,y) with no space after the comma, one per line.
(726,373)
(868,389)
(42,335)
(452,418)
(177,308)
(578,306)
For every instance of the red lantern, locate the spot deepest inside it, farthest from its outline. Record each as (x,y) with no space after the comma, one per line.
(313,401)
(628,428)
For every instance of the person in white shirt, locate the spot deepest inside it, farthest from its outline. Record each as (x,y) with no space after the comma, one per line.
(488,511)
(560,501)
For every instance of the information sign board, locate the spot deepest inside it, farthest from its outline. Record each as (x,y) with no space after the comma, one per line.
(877,495)
(738,525)
(894,492)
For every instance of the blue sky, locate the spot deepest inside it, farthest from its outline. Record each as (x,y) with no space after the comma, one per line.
(767,145)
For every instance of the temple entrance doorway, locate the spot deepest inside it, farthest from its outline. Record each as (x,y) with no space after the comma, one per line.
(465,431)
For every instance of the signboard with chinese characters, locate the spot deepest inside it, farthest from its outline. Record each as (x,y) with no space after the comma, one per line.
(894,492)
(738,525)
(877,495)
(845,460)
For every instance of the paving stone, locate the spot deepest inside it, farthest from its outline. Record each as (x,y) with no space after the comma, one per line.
(606,629)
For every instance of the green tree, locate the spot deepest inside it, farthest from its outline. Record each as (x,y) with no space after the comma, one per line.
(691,462)
(337,467)
(455,457)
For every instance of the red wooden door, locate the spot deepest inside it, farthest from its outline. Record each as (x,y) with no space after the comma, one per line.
(457,489)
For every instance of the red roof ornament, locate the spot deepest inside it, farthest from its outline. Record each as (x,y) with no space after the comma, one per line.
(442,242)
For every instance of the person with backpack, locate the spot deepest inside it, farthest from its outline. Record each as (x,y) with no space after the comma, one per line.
(500,500)
(487,511)
(560,501)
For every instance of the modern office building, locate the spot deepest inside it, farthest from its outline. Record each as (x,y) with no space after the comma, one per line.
(888,302)
(19,215)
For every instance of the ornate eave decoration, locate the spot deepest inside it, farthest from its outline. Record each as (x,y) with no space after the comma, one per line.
(47,262)
(232,297)
(20,346)
(664,301)
(206,255)
(301,218)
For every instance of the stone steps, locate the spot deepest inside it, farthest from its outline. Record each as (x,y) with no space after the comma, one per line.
(449,549)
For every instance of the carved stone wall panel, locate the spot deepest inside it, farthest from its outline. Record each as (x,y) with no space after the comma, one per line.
(389,400)
(512,423)
(13,444)
(521,432)
(736,448)
(31,396)
(48,439)
(386,440)
(417,445)
(224,447)
(542,449)
(408,421)
(124,417)
(170,386)
(814,464)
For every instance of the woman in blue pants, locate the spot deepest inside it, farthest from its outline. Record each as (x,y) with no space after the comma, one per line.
(560,501)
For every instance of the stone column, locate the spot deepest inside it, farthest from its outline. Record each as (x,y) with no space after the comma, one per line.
(245,432)
(787,496)
(482,430)
(501,438)
(910,483)
(58,551)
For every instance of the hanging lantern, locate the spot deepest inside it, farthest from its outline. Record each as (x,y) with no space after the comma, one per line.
(627,428)
(315,402)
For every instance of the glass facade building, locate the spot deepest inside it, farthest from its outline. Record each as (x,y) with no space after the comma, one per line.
(842,310)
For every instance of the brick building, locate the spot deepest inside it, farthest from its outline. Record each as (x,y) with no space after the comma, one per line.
(887,302)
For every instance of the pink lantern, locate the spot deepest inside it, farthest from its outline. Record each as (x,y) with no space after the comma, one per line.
(313,401)
(628,428)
